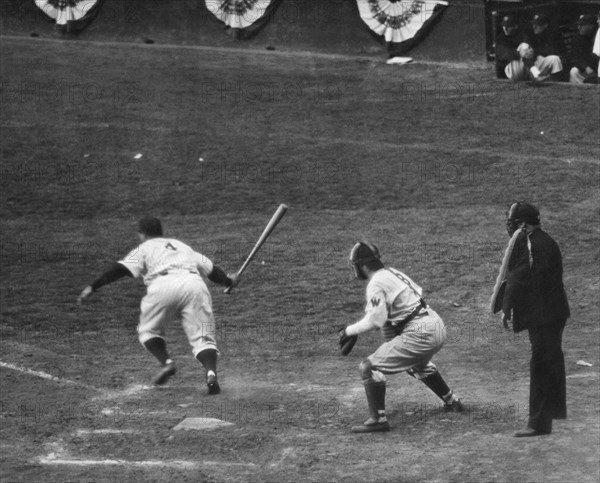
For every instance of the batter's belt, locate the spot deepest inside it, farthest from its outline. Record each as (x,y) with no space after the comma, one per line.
(172,271)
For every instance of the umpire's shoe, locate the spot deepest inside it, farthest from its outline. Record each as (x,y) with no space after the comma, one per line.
(212,383)
(372,426)
(165,373)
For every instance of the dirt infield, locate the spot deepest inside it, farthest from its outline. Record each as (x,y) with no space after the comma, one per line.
(421,159)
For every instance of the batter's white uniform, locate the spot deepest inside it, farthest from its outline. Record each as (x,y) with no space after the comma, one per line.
(172,272)
(391,297)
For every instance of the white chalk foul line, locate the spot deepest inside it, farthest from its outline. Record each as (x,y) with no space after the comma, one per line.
(185,464)
(45,375)
(121,393)
(240,51)
(58,455)
(51,460)
(88,432)
(105,393)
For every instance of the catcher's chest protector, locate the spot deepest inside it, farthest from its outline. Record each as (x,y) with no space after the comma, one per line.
(389,331)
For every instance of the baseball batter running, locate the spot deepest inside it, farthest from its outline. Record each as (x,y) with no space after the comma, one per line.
(172,272)
(413,333)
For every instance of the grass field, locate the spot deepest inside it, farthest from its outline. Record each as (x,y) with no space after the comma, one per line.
(422,160)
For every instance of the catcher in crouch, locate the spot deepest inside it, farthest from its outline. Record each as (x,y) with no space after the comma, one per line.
(413,333)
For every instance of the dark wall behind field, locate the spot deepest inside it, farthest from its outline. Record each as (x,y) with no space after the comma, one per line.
(311,25)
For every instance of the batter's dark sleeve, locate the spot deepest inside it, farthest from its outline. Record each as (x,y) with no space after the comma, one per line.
(115,272)
(219,276)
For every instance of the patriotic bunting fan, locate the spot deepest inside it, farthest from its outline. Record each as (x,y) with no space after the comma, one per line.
(397,20)
(70,13)
(238,14)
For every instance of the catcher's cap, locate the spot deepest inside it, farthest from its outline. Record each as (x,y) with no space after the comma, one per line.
(363,252)
(520,211)
(150,226)
(540,19)
(509,21)
(586,19)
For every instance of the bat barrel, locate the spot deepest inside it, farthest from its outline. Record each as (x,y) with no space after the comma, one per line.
(275,219)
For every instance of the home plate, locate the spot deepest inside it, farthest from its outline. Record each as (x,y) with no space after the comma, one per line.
(201,423)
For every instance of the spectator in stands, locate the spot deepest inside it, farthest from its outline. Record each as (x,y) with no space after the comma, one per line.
(548,42)
(585,62)
(515,54)
(507,41)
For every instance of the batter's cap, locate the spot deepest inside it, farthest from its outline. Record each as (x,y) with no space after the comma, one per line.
(364,252)
(150,226)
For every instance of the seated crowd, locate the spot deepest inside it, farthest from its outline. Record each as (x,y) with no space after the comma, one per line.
(540,53)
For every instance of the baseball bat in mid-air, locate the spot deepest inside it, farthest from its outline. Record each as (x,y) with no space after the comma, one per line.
(276,218)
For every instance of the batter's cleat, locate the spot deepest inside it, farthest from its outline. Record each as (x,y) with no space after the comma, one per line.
(454,407)
(212,384)
(165,373)
(372,426)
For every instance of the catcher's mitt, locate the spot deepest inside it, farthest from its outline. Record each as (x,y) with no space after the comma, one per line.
(346,341)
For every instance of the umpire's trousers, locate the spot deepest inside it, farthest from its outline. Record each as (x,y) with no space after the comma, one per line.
(548,385)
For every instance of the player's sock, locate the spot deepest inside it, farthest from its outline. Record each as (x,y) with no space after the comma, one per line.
(449,398)
(158,348)
(208,358)
(436,383)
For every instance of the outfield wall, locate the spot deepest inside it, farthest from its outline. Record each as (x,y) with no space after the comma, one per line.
(332,26)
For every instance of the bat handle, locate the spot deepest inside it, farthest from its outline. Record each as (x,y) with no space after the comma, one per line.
(230,288)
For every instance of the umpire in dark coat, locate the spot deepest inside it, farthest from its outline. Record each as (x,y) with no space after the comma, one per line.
(535,300)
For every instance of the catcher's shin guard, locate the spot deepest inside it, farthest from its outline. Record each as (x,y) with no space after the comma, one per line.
(377,421)
(376,399)
(436,383)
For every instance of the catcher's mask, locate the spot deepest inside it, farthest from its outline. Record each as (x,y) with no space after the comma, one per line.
(362,253)
(520,213)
